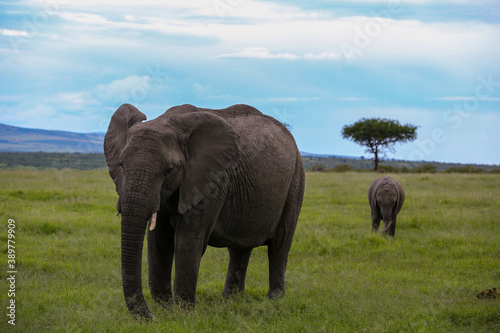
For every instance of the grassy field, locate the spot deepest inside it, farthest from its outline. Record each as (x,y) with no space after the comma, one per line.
(340,277)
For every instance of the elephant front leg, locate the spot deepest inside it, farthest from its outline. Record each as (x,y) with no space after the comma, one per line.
(236,273)
(160,259)
(188,251)
(390,227)
(375,222)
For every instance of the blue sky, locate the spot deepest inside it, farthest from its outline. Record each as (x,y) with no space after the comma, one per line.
(316,65)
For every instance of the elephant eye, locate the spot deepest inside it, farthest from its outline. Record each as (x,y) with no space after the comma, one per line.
(169,169)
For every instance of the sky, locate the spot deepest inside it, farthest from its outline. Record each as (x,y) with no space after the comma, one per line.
(316,65)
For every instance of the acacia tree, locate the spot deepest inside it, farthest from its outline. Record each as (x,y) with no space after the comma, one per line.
(379,135)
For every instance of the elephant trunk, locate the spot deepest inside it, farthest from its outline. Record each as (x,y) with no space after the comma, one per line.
(139,203)
(389,223)
(135,214)
(132,235)
(387,217)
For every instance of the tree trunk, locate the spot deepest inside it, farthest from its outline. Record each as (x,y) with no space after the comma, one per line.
(375,168)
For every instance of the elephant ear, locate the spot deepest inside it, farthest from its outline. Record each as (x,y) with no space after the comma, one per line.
(211,148)
(401,196)
(124,118)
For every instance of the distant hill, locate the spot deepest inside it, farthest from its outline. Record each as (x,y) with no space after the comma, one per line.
(18,139)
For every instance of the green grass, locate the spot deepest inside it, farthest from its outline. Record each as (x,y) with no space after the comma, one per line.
(340,277)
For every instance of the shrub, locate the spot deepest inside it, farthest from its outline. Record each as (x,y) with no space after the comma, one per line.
(318,168)
(404,169)
(343,168)
(465,169)
(388,169)
(426,168)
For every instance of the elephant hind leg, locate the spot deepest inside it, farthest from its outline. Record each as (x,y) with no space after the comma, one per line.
(279,245)
(277,252)
(236,273)
(278,258)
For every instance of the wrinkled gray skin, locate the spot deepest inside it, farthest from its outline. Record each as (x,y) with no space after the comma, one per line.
(386,197)
(227,178)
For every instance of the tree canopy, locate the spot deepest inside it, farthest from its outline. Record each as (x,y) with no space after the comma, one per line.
(379,135)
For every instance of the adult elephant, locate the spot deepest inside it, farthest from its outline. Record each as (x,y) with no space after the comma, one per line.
(227,178)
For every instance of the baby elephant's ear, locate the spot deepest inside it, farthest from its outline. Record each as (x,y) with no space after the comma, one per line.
(401,195)
(114,141)
(211,149)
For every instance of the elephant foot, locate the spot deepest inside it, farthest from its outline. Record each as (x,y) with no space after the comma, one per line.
(141,313)
(163,299)
(272,294)
(232,287)
(231,292)
(390,229)
(184,303)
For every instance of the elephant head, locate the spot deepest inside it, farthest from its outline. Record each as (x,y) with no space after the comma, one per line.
(388,197)
(168,159)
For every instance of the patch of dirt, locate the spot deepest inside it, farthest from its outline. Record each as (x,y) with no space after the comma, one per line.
(490,293)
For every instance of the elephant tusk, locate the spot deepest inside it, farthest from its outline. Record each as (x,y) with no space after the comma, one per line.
(117,213)
(152,225)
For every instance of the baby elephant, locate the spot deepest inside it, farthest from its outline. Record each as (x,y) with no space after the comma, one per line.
(386,197)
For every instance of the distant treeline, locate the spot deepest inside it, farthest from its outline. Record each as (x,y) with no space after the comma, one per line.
(52,160)
(339,164)
(426,168)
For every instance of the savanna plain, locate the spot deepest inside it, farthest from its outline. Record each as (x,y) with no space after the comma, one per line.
(341,277)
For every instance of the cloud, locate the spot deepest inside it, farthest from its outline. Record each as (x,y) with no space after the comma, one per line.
(287,99)
(259,53)
(322,56)
(36,116)
(281,31)
(82,17)
(14,33)
(354,99)
(220,9)
(467,98)
(11,98)
(423,2)
(264,53)
(73,102)
(260,10)
(132,89)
